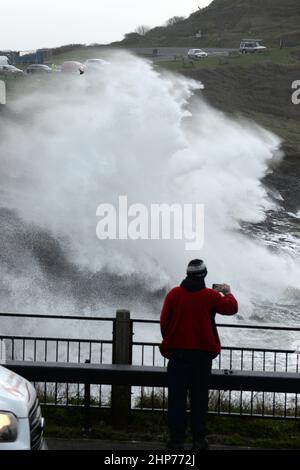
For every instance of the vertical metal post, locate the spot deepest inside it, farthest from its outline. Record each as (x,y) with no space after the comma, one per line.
(86,431)
(122,354)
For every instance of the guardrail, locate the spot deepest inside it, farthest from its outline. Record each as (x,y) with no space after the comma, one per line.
(126,376)
(259,382)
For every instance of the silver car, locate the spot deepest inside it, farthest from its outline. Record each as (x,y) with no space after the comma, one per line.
(251,46)
(10,70)
(38,69)
(197,54)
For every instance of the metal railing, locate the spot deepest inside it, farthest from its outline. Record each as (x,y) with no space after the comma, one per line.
(65,350)
(146,353)
(241,403)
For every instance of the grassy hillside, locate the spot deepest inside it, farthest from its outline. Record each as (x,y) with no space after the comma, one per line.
(258,87)
(225,22)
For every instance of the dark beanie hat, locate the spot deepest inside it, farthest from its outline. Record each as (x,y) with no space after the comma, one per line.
(196,267)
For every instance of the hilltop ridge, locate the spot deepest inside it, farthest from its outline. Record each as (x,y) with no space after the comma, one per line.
(224,22)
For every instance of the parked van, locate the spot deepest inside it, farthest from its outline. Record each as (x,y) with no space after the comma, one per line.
(251,46)
(4,60)
(21,422)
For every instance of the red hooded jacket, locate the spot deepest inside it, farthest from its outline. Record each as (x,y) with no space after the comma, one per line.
(187,319)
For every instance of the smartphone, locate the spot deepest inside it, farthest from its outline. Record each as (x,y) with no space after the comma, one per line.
(217,287)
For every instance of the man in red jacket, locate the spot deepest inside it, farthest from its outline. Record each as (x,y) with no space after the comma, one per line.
(191,342)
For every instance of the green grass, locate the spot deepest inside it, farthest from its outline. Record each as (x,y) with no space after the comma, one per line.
(287,129)
(257,86)
(274,56)
(225,22)
(264,433)
(149,426)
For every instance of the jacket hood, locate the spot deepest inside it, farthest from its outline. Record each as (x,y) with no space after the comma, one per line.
(193,283)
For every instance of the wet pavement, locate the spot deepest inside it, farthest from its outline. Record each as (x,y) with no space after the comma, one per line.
(95,444)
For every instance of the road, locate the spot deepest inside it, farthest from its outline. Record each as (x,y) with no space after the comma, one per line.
(168,53)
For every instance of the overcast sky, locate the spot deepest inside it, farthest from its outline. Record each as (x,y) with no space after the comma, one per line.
(31,24)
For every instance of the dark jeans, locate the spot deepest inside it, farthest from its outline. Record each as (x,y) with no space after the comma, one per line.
(188,370)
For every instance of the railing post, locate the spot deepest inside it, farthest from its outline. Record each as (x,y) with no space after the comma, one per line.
(2,351)
(122,354)
(86,431)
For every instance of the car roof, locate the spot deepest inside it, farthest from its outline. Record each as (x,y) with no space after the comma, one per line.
(71,62)
(37,66)
(95,60)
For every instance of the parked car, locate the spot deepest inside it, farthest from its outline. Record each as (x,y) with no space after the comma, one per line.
(38,69)
(251,46)
(95,63)
(72,66)
(4,60)
(10,70)
(21,422)
(197,54)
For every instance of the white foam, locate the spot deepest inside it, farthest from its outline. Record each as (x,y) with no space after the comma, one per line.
(129,130)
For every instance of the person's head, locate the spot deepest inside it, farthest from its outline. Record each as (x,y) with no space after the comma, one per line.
(196,267)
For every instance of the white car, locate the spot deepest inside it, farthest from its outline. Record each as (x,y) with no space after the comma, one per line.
(197,54)
(21,422)
(4,60)
(251,46)
(10,70)
(95,63)
(72,67)
(38,69)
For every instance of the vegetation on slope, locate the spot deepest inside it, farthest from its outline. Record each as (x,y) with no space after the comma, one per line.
(225,22)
